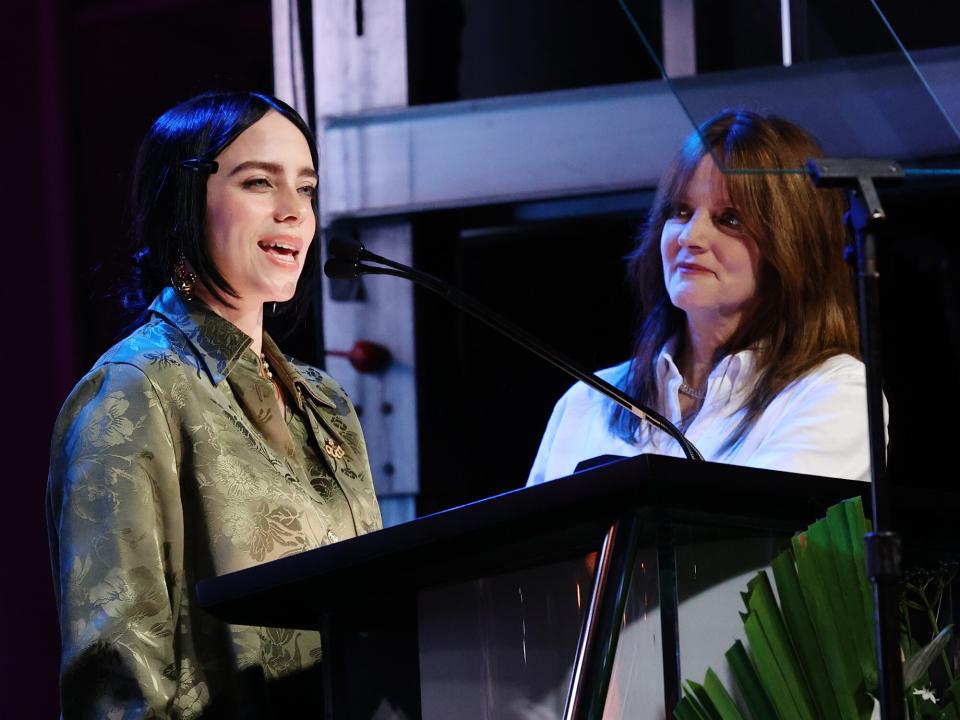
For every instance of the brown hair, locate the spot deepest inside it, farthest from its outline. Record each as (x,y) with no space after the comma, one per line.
(805,310)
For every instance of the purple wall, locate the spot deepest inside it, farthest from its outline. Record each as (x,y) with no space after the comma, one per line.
(39,353)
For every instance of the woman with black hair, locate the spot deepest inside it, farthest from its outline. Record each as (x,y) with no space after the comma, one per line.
(194,447)
(748,340)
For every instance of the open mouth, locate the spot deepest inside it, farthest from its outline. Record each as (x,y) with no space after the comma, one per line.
(280,251)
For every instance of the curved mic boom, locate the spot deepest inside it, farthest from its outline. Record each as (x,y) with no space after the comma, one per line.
(346,262)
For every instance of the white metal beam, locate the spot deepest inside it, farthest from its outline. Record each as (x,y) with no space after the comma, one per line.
(607,139)
(357,68)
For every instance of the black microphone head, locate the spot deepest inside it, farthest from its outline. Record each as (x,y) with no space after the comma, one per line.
(341,269)
(341,248)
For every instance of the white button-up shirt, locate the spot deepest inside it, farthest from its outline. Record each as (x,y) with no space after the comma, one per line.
(817,425)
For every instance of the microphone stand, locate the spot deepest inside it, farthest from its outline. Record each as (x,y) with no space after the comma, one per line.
(346,262)
(866,213)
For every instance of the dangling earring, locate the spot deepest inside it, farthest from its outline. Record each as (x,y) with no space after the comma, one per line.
(184,280)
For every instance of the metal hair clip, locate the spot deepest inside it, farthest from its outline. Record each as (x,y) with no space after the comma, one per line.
(199,165)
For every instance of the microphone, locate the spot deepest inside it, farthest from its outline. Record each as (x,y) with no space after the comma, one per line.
(347,262)
(340,269)
(346,250)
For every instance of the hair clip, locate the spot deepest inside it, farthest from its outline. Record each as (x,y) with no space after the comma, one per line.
(199,165)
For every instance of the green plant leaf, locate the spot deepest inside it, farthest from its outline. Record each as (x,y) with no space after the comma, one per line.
(952,697)
(804,637)
(848,549)
(768,670)
(720,698)
(860,526)
(811,656)
(748,683)
(688,709)
(842,670)
(823,548)
(916,667)
(762,604)
(703,700)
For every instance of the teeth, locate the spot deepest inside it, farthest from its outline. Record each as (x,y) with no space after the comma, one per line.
(279,246)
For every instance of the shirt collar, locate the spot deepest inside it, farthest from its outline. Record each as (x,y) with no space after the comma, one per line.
(736,368)
(219,344)
(289,376)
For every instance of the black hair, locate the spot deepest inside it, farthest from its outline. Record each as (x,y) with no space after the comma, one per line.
(169,201)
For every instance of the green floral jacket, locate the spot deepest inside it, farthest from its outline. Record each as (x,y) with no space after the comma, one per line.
(158,478)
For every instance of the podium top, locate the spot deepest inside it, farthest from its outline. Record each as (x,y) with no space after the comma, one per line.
(537,525)
(520,528)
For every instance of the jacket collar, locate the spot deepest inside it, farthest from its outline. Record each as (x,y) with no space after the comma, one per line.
(218,343)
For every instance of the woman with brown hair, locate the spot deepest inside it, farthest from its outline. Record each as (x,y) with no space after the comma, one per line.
(748,340)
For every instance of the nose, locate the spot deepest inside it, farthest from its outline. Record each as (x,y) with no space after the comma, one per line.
(290,206)
(694,235)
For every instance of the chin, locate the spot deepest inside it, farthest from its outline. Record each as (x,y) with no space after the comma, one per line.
(279,299)
(687,301)
(281,294)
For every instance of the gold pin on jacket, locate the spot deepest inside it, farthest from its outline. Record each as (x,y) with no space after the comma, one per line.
(334,449)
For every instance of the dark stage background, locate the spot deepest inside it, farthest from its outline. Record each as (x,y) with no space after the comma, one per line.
(83,80)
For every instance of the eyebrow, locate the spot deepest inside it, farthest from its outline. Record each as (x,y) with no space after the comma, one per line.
(273,168)
(726,204)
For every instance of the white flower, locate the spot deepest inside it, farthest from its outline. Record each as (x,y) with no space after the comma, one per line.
(925,694)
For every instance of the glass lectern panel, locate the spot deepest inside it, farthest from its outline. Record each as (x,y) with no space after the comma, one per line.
(703,569)
(501,646)
(841,71)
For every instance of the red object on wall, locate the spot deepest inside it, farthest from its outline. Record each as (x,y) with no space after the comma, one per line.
(366,356)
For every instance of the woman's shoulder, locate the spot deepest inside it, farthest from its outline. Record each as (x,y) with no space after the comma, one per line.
(836,368)
(130,362)
(840,363)
(109,406)
(137,369)
(156,348)
(838,379)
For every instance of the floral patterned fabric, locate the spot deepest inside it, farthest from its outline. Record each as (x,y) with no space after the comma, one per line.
(158,478)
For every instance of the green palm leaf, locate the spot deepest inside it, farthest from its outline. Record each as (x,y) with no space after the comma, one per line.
(769,639)
(812,655)
(718,695)
(798,622)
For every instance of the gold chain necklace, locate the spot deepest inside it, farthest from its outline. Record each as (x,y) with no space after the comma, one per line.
(267,374)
